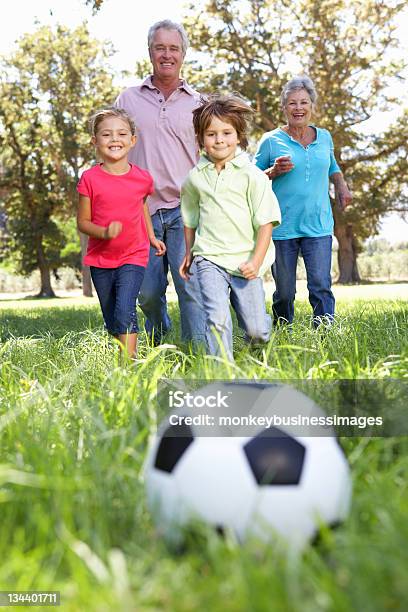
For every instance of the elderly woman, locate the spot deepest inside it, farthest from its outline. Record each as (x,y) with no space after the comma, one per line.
(299,159)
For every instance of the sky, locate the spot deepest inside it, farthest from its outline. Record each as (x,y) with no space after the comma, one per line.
(124,24)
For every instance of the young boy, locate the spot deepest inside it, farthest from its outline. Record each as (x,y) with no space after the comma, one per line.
(228,210)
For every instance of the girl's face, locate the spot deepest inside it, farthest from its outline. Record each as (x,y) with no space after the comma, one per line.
(220,141)
(113,139)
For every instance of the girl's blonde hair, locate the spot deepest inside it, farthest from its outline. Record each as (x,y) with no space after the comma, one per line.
(110,111)
(230,108)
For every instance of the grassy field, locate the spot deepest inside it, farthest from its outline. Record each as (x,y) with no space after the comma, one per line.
(74,426)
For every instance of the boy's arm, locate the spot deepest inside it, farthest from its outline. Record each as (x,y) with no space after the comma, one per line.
(86,226)
(190,210)
(156,244)
(250,269)
(189,237)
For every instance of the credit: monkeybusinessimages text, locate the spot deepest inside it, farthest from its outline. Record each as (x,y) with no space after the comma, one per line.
(346,408)
(275,420)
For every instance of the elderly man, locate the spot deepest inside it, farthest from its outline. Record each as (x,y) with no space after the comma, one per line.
(162,110)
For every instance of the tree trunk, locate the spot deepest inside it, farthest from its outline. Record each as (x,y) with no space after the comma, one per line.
(46,290)
(86,273)
(347,253)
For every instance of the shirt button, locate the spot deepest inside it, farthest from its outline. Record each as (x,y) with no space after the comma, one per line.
(160,100)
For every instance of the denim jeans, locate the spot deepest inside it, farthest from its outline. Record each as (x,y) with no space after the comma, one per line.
(117,290)
(168,227)
(317,254)
(247,298)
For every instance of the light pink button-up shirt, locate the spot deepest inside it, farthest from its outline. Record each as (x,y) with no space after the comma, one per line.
(166,145)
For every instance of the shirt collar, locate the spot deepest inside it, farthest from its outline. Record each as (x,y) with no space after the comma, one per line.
(183,85)
(241,159)
(310,125)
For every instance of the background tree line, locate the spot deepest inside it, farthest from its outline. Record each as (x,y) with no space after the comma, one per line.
(48,89)
(55,78)
(351,52)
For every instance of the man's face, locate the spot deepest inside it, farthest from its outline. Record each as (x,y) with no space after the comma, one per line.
(166,54)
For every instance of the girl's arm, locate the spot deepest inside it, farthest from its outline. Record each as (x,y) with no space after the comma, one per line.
(156,244)
(250,269)
(189,236)
(86,226)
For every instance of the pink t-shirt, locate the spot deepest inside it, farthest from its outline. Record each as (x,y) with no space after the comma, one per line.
(117,198)
(166,144)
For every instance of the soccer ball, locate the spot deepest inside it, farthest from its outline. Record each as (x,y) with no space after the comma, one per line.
(269,482)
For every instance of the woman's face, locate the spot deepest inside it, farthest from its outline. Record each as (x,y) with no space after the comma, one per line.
(298,108)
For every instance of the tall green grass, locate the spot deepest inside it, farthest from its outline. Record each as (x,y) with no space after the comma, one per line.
(74,426)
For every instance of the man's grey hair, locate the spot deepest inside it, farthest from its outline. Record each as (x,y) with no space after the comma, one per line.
(166,24)
(297,83)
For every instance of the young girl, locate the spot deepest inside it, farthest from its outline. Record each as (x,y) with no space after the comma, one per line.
(113,212)
(228,211)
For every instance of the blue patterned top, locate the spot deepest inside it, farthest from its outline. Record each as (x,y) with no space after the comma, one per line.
(303,192)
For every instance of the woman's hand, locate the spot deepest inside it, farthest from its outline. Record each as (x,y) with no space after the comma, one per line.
(159,246)
(342,193)
(344,196)
(184,269)
(282,165)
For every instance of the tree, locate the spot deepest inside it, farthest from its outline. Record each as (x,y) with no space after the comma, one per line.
(49,88)
(254,47)
(95,4)
(33,239)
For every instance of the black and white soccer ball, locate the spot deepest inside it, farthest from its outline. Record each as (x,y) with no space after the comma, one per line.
(265,482)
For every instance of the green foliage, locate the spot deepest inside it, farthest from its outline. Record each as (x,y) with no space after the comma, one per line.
(71,253)
(49,87)
(75,426)
(351,52)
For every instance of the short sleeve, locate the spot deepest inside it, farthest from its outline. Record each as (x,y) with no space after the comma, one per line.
(264,203)
(83,186)
(334,166)
(190,204)
(263,154)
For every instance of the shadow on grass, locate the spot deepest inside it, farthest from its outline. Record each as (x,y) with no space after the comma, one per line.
(369,282)
(35,297)
(58,321)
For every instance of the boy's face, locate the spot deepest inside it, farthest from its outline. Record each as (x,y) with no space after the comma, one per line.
(220,141)
(114,138)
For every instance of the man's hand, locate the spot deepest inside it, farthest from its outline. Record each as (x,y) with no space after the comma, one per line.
(159,246)
(184,269)
(113,230)
(249,269)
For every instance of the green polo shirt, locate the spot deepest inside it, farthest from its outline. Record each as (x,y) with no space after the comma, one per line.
(227,209)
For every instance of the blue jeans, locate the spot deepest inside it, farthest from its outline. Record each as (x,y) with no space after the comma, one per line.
(247,298)
(117,290)
(168,227)
(316,253)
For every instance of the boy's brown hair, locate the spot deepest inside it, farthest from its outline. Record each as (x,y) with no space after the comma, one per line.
(229,108)
(110,111)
